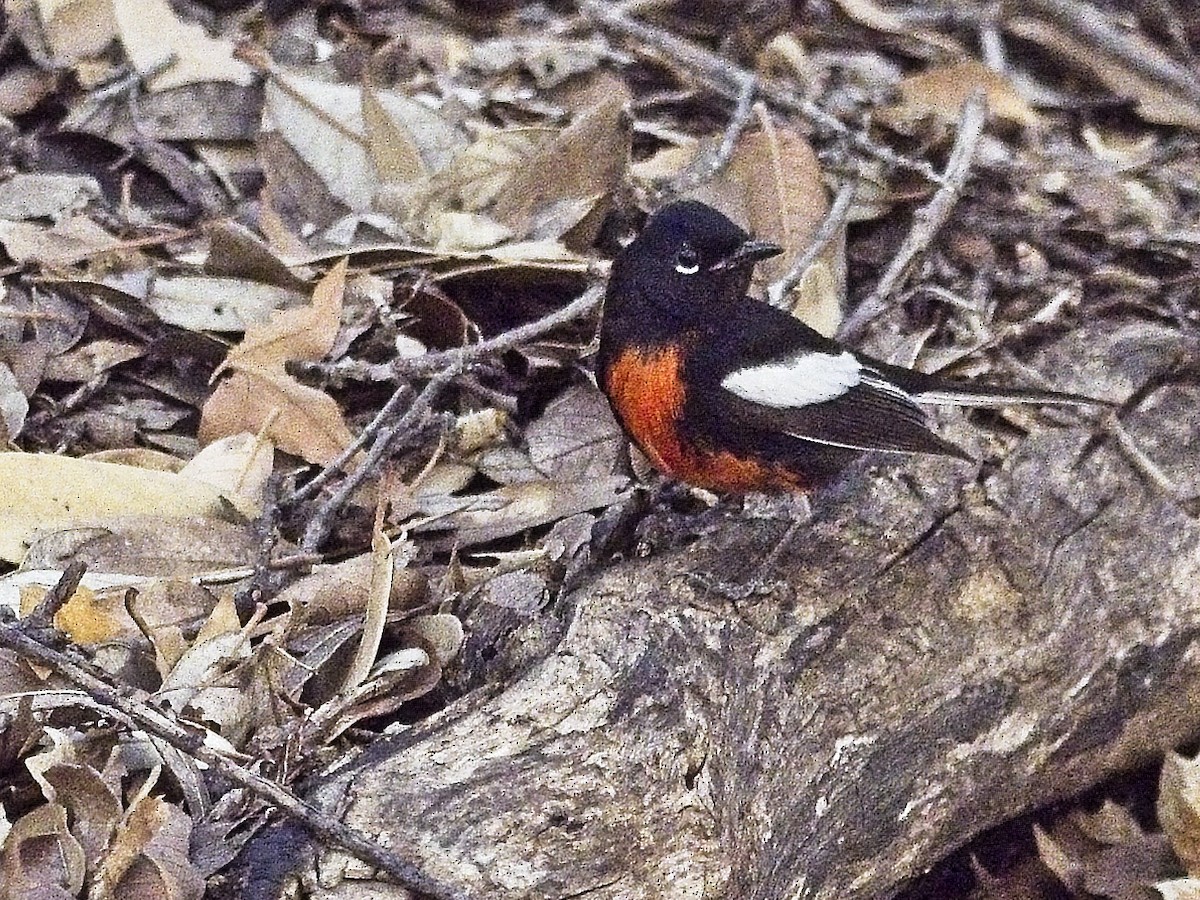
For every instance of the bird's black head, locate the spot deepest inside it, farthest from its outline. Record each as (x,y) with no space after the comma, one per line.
(688,255)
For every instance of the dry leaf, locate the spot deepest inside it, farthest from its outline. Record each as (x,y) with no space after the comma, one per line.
(576,438)
(774,186)
(940,92)
(41,858)
(322,124)
(379,592)
(872,15)
(306,333)
(514,508)
(1179,889)
(14,405)
(34,196)
(296,418)
(207,303)
(260,397)
(148,857)
(584,162)
(336,591)
(238,466)
(44,491)
(153,35)
(76,29)
(62,244)
(84,363)
(1158,99)
(1179,808)
(408,141)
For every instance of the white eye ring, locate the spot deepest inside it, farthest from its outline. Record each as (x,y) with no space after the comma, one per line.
(686,262)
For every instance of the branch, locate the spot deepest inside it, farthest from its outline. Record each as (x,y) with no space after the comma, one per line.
(727,79)
(137,716)
(928,220)
(835,219)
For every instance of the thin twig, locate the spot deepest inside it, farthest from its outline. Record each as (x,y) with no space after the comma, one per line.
(56,598)
(322,521)
(463,357)
(928,219)
(1148,469)
(835,219)
(386,413)
(137,716)
(704,169)
(722,76)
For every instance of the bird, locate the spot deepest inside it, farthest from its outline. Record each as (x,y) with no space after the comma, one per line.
(727,393)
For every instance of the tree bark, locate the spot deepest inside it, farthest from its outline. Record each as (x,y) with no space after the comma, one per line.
(953,648)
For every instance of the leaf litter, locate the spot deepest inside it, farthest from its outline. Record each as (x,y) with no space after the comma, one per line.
(249,254)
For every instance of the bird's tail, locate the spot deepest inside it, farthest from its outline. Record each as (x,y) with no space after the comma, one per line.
(955,394)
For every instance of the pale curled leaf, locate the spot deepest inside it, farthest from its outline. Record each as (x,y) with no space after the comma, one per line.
(379,591)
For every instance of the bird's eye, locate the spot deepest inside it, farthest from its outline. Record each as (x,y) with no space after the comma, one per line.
(686,261)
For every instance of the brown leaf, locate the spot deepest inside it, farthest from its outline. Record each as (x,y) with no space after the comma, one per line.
(576,438)
(41,858)
(584,162)
(94,809)
(149,855)
(941,91)
(783,195)
(514,508)
(45,491)
(144,545)
(296,418)
(306,333)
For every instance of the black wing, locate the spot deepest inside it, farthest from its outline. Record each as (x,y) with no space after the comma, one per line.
(872,414)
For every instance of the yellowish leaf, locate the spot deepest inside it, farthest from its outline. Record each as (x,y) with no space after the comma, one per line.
(941,91)
(43,491)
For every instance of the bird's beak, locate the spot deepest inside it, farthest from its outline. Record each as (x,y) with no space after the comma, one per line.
(746,255)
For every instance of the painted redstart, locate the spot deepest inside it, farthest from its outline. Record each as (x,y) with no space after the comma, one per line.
(727,393)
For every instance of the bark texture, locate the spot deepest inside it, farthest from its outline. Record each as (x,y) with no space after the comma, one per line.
(954,647)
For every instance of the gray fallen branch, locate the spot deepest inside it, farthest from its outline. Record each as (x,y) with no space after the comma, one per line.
(956,648)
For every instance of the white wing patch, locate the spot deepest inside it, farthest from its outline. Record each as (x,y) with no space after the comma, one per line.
(802,380)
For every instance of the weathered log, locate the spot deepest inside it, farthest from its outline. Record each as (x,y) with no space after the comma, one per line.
(956,647)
